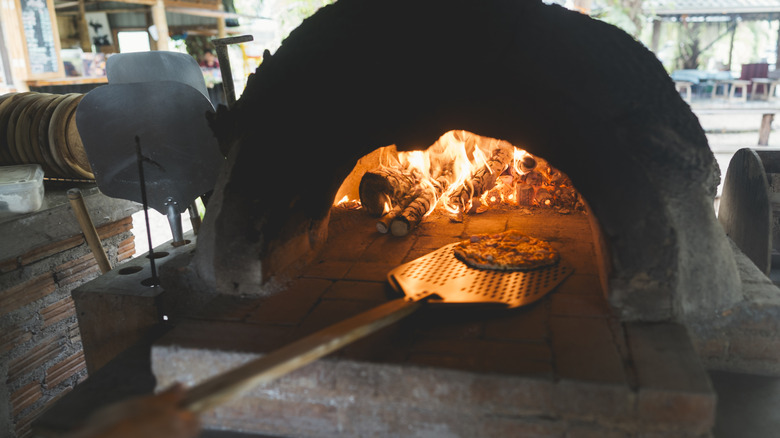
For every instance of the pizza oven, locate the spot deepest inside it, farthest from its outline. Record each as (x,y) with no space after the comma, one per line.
(624,190)
(574,91)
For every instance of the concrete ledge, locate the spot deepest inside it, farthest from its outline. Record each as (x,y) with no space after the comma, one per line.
(115,310)
(55,221)
(745,338)
(343,396)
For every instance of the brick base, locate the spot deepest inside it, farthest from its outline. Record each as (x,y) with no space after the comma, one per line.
(40,343)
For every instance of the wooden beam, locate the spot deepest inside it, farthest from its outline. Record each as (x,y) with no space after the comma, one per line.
(221,33)
(63,5)
(765,130)
(161,23)
(132,2)
(731,44)
(212,13)
(81,22)
(110,11)
(193,5)
(777,50)
(656,36)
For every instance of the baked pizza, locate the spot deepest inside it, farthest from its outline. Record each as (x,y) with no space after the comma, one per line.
(507,251)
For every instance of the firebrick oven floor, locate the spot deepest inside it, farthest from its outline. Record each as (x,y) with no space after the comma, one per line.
(563,365)
(568,334)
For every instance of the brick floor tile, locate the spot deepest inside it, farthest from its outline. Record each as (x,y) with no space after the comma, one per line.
(224,336)
(388,249)
(327,270)
(584,349)
(579,305)
(581,284)
(291,306)
(524,324)
(432,243)
(442,227)
(368,271)
(329,312)
(225,308)
(360,290)
(486,223)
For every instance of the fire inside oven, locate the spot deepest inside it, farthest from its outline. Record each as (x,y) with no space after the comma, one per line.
(463,186)
(462,173)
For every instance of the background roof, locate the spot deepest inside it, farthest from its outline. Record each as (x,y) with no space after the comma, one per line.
(763,9)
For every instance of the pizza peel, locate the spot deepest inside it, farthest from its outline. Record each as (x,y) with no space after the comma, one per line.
(181,155)
(437,277)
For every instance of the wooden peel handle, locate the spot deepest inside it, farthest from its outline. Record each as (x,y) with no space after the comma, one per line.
(88,228)
(225,387)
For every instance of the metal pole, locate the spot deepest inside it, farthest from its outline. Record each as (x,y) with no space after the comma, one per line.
(224,64)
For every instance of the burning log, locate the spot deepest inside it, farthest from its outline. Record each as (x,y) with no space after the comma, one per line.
(493,198)
(524,194)
(387,186)
(534,178)
(527,164)
(415,211)
(384,223)
(543,197)
(485,178)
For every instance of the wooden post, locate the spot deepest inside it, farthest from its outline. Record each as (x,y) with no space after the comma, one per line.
(656,36)
(161,23)
(766,128)
(88,228)
(777,50)
(221,30)
(731,44)
(81,22)
(14,44)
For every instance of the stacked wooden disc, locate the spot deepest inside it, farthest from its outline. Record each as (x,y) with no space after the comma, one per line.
(40,128)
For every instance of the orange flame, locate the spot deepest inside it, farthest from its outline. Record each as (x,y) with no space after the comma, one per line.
(450,167)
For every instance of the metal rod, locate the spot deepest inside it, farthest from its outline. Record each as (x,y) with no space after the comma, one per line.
(194,217)
(174,220)
(140,158)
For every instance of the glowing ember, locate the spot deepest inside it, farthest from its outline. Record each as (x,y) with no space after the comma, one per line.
(348,204)
(461,173)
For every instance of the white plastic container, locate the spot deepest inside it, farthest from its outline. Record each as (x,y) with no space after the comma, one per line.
(21,188)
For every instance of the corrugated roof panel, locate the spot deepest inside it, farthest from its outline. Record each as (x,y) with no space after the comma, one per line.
(704,7)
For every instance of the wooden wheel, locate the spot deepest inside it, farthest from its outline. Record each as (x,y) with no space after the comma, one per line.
(23,139)
(6,107)
(57,145)
(73,152)
(36,120)
(43,136)
(16,150)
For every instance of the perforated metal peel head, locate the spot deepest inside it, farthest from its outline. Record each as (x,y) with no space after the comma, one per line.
(452,281)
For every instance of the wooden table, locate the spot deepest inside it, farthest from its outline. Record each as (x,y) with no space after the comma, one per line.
(767,116)
(768,91)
